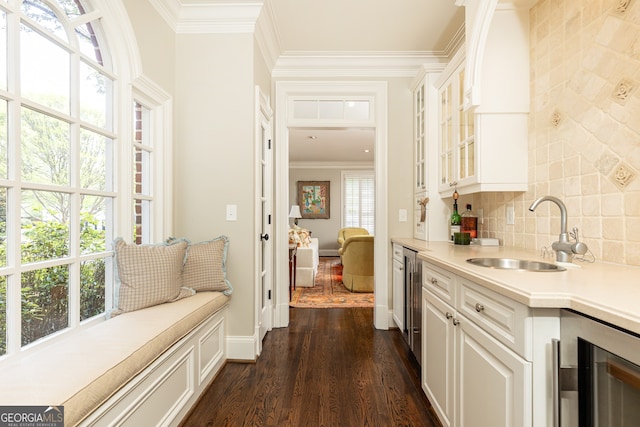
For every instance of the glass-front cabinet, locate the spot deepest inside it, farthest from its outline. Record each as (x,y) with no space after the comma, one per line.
(480,147)
(456,134)
(419,137)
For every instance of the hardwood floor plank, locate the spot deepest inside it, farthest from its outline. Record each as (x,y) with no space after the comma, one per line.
(330,367)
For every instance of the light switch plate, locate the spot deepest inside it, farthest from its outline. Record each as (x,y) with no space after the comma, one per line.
(511,216)
(402,215)
(232,212)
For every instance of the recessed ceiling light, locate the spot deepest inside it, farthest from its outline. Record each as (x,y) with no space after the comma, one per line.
(366,151)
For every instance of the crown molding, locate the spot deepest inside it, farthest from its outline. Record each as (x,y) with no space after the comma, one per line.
(331,165)
(214,17)
(366,64)
(267,36)
(356,64)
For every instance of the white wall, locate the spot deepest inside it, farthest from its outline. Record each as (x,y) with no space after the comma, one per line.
(156,43)
(214,156)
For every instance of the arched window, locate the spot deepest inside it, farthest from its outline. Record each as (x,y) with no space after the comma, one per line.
(58,168)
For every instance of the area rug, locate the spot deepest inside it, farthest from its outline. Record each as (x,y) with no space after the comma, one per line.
(329,291)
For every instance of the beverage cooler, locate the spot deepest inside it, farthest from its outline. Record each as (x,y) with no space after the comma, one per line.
(413,301)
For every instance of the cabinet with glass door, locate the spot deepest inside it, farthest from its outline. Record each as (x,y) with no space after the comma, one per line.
(457,135)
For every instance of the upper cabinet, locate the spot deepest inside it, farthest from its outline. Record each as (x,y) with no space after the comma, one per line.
(419,137)
(457,155)
(484,102)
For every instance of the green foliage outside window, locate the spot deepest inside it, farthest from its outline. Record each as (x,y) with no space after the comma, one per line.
(44,293)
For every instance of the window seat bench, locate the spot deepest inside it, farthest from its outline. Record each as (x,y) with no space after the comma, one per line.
(145,367)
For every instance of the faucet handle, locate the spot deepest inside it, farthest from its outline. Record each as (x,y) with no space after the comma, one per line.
(579,248)
(574,234)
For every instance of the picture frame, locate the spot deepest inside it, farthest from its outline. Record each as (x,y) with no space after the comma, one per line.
(314,199)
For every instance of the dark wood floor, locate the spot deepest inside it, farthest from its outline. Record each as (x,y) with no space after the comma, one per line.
(329,368)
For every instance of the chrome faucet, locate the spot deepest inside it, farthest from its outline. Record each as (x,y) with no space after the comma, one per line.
(564,249)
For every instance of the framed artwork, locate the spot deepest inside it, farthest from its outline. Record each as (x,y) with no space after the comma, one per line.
(313,198)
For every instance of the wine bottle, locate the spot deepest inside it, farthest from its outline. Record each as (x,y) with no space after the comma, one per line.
(455,216)
(469,222)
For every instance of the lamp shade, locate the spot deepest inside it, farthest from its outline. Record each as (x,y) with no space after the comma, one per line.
(295,212)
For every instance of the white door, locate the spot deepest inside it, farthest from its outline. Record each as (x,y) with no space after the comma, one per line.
(265,192)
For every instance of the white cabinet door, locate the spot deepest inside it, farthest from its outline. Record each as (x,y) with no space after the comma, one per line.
(457,139)
(419,137)
(494,384)
(470,378)
(438,356)
(398,293)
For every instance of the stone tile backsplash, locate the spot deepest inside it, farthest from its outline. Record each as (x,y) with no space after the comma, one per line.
(584,142)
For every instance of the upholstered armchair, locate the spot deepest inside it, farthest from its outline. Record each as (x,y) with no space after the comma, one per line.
(344,233)
(357,263)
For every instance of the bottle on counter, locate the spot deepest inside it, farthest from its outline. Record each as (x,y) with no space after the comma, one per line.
(454,224)
(469,222)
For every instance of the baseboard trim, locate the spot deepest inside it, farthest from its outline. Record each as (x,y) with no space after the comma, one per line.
(328,252)
(241,348)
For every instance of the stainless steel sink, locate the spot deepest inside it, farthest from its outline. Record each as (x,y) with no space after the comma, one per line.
(515,264)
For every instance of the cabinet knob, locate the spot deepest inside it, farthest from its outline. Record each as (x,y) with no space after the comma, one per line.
(479,307)
(448,315)
(434,281)
(455,322)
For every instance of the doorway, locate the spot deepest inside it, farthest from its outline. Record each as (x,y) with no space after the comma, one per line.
(327,96)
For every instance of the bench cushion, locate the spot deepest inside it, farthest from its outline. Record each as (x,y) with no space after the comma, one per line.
(83,370)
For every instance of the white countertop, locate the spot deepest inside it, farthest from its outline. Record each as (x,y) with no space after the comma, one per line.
(606,291)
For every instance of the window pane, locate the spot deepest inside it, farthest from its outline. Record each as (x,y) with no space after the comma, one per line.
(45,148)
(45,302)
(141,179)
(3,227)
(331,110)
(3,50)
(3,315)
(88,42)
(44,15)
(45,225)
(70,8)
(95,89)
(356,110)
(96,158)
(93,224)
(50,88)
(92,288)
(3,139)
(142,221)
(141,154)
(359,201)
(305,109)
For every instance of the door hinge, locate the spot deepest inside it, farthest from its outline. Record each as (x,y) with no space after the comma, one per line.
(269,145)
(269,294)
(269,219)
